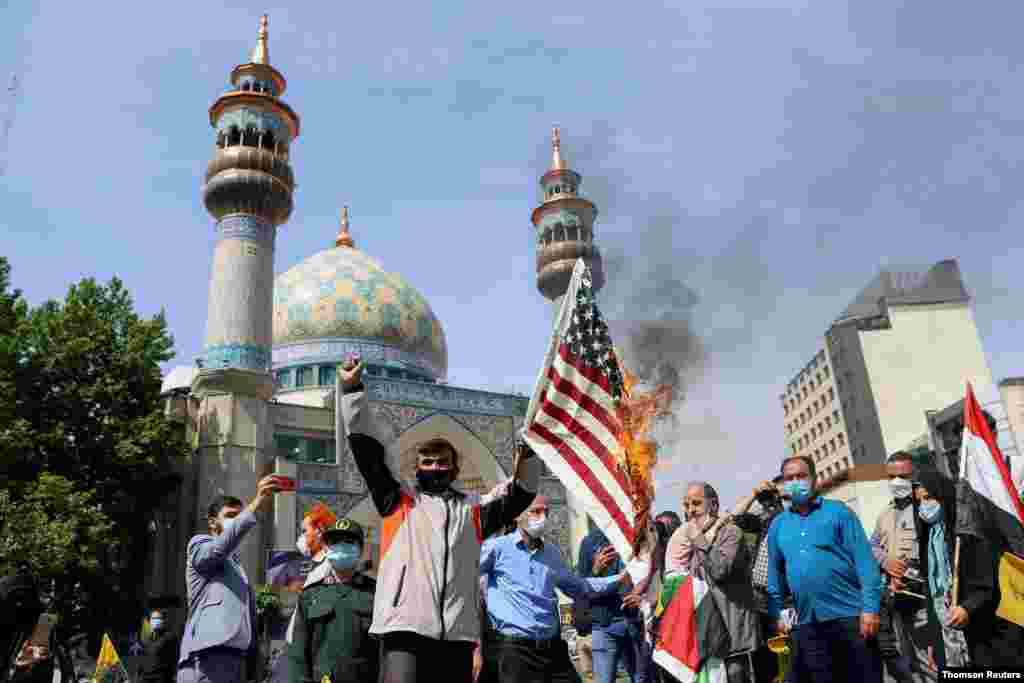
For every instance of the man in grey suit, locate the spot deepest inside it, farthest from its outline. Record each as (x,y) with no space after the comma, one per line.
(221,630)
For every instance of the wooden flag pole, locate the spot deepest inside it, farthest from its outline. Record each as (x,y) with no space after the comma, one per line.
(956,572)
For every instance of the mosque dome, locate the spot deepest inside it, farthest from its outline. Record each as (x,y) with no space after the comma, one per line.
(341,301)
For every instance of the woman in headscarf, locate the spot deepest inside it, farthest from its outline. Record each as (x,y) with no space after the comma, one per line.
(936,510)
(993,642)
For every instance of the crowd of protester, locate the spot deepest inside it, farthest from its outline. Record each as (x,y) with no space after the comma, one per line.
(467,587)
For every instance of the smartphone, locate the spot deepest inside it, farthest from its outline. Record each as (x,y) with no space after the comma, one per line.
(41,634)
(286,483)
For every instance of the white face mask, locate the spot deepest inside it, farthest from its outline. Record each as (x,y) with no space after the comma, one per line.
(535,526)
(900,488)
(303,545)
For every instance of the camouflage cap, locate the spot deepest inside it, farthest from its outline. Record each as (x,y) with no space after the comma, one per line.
(344,529)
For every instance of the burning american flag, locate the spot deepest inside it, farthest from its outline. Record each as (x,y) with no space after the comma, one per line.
(587,428)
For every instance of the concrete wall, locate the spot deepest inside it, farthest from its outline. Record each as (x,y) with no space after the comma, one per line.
(923,362)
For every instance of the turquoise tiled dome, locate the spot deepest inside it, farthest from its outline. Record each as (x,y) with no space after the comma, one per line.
(341,293)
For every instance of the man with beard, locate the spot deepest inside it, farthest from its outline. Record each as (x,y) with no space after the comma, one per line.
(220,635)
(426,609)
(721,561)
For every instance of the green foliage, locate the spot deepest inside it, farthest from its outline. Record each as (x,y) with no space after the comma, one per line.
(267,600)
(86,453)
(53,527)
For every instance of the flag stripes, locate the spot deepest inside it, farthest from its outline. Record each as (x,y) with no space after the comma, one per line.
(573,421)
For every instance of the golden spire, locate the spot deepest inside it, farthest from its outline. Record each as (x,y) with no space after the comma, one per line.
(261,55)
(557,162)
(344,239)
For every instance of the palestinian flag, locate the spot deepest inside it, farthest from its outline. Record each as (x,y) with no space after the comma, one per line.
(109,668)
(692,638)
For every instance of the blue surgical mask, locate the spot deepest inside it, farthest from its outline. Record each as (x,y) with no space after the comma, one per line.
(344,556)
(156,623)
(799,490)
(929,511)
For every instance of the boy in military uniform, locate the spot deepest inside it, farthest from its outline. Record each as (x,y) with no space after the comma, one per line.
(330,640)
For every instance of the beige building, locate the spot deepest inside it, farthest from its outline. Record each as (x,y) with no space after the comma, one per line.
(814,419)
(908,344)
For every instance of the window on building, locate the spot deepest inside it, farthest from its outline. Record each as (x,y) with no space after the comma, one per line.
(832,445)
(828,422)
(841,438)
(283,378)
(831,394)
(304,377)
(304,449)
(327,373)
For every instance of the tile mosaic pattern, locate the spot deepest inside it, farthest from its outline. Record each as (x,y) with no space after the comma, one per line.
(247,228)
(247,356)
(342,292)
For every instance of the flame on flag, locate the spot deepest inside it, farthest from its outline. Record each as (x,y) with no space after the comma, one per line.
(590,425)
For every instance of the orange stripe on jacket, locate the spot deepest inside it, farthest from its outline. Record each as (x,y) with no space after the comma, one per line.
(477,524)
(393,522)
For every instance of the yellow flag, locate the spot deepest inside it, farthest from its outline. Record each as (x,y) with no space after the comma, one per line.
(109,668)
(1011,586)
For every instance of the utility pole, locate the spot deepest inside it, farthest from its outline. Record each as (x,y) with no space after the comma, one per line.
(10,105)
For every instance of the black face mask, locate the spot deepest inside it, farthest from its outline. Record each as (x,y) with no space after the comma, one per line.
(435,481)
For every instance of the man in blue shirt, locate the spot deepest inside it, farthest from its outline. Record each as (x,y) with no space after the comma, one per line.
(521,573)
(617,634)
(818,552)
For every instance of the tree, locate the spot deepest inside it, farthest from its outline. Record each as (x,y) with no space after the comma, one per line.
(81,417)
(53,527)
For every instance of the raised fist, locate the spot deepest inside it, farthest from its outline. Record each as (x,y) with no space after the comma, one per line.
(351,372)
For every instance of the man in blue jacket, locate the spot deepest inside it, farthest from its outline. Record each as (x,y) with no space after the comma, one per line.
(616,633)
(818,552)
(220,634)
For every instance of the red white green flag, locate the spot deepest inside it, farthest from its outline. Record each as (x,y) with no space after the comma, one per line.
(692,637)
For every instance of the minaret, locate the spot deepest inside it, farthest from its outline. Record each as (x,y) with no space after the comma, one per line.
(565,232)
(248,190)
(564,224)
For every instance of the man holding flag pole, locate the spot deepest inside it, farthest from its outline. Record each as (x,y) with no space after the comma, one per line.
(988,592)
(578,425)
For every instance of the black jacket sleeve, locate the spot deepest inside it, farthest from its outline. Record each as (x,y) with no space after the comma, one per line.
(504,510)
(371,459)
(977,576)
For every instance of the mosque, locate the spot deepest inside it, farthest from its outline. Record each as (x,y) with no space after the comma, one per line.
(261,397)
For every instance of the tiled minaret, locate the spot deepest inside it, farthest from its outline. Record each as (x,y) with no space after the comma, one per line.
(564,224)
(248,190)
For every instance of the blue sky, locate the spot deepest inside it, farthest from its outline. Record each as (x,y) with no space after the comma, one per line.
(764,157)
